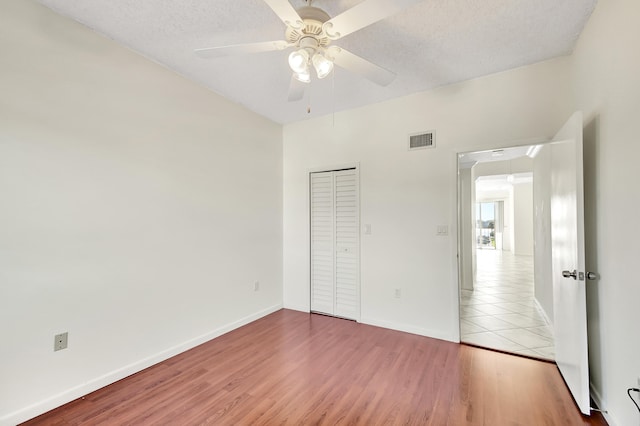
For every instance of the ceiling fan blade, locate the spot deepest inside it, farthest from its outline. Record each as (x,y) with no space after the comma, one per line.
(364,14)
(296,90)
(286,13)
(358,65)
(241,49)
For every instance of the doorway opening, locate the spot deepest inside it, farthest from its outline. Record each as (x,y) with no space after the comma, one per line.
(488,225)
(499,287)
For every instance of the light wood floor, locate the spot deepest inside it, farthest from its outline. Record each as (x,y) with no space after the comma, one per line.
(296,368)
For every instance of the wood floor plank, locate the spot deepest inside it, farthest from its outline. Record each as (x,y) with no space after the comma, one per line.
(293,368)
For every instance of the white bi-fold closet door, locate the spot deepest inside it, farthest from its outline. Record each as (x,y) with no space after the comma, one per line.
(335,243)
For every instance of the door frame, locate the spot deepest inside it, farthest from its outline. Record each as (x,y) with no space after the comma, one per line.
(456,212)
(335,168)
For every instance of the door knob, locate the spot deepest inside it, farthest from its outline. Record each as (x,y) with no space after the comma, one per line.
(573,274)
(592,276)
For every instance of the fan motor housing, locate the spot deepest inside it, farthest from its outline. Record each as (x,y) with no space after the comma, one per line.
(313,18)
(314,13)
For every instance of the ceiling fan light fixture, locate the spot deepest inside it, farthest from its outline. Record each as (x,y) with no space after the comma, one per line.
(303,76)
(299,61)
(322,65)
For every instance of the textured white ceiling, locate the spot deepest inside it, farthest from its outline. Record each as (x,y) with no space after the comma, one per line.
(430,44)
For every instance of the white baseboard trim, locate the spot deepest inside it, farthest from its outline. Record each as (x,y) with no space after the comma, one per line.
(597,398)
(92,385)
(409,329)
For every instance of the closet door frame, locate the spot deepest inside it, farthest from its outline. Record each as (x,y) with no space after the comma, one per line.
(337,168)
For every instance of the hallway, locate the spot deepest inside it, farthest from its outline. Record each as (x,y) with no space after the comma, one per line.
(501,312)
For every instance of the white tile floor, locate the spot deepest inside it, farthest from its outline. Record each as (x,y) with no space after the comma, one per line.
(501,313)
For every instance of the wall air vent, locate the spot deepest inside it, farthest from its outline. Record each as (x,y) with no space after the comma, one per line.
(422,140)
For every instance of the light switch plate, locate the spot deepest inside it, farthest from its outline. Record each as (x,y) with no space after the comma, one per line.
(442,230)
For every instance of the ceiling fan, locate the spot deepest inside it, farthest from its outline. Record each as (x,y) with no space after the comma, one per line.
(310,31)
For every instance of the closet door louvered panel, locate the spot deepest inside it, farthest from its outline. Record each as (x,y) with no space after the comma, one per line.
(347,231)
(322,242)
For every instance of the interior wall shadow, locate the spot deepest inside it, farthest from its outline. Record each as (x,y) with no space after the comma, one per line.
(591,144)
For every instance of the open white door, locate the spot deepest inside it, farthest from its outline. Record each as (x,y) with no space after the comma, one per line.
(567,242)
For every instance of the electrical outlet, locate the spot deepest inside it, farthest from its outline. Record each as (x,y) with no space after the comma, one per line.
(398,293)
(256,286)
(60,341)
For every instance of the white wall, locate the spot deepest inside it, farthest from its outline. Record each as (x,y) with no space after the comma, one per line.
(505,167)
(606,84)
(137,211)
(466,229)
(472,219)
(512,219)
(405,195)
(523,219)
(542,268)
